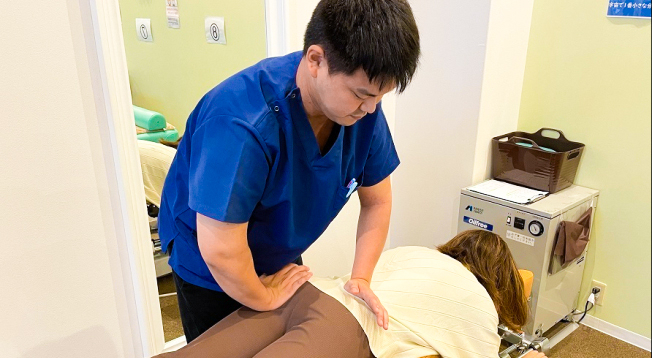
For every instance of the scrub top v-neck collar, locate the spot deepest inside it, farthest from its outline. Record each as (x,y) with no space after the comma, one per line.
(304,131)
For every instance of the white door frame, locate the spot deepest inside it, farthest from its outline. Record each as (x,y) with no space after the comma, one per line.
(277,20)
(116,95)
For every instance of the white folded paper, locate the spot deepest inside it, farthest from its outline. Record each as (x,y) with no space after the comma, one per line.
(510,192)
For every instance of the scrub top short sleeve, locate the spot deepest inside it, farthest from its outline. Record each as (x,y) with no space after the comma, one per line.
(228,170)
(382,159)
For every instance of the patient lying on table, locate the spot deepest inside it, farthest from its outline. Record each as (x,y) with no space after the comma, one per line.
(446,302)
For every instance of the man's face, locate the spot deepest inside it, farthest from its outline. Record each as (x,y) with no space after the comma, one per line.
(345,99)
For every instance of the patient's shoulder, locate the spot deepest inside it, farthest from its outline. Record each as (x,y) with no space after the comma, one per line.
(419,255)
(411,251)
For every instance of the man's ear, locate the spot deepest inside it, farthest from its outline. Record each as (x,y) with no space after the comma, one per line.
(316,59)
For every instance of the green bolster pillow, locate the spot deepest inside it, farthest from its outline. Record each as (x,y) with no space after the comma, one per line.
(149,120)
(168,135)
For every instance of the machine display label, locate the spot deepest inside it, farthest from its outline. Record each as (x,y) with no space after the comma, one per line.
(523,239)
(478,223)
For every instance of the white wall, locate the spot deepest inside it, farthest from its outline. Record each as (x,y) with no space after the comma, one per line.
(299,12)
(63,291)
(437,120)
(466,91)
(507,44)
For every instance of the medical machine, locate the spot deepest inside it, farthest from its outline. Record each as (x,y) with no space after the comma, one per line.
(531,232)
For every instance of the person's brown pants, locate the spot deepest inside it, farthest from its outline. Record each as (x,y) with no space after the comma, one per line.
(310,325)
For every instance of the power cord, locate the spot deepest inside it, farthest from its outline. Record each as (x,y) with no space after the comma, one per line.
(591,300)
(586,307)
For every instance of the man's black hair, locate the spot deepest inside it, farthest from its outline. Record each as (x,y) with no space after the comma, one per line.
(379,36)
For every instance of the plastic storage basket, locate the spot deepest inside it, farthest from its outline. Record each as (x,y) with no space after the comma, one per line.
(544,160)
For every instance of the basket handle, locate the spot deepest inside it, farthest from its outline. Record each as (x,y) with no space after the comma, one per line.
(560,133)
(515,140)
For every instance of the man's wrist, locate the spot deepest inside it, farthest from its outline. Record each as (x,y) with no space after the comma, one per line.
(368,281)
(262,304)
(264,300)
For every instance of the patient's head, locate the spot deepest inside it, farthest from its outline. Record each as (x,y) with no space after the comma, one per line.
(487,256)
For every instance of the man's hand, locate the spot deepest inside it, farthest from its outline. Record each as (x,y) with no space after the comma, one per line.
(282,285)
(535,354)
(360,288)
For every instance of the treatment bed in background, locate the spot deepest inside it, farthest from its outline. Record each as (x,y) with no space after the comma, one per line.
(152,127)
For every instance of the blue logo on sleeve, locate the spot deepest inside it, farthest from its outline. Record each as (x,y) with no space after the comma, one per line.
(478,223)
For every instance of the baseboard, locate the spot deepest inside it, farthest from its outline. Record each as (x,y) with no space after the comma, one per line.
(562,334)
(624,335)
(174,344)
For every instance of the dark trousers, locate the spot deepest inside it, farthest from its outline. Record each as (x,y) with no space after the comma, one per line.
(202,308)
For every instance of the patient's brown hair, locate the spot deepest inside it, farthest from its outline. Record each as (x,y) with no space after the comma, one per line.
(487,256)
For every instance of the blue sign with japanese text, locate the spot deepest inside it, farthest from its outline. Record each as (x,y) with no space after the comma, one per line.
(630,8)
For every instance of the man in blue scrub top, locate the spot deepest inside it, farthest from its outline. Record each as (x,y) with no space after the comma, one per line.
(271,155)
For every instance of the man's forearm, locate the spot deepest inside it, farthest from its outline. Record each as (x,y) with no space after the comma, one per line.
(373,226)
(225,250)
(235,274)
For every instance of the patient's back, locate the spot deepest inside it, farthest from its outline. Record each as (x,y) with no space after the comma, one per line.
(436,307)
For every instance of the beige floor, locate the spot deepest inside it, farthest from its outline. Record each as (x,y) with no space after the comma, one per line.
(169,309)
(588,343)
(583,343)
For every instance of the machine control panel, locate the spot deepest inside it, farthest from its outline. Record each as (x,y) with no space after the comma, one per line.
(536,228)
(519,223)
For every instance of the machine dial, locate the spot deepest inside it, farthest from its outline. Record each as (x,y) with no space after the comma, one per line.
(536,228)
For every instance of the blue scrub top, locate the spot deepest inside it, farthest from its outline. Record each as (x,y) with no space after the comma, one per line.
(249,155)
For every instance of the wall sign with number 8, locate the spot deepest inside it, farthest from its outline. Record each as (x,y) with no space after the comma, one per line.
(215,33)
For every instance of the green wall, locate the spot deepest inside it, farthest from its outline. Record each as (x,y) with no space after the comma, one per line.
(589,76)
(172,73)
